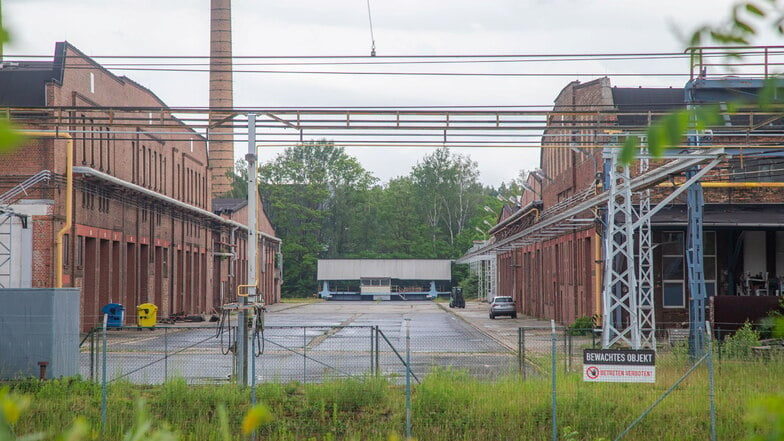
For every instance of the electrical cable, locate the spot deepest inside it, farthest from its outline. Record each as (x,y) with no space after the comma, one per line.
(372,38)
(224,327)
(258,330)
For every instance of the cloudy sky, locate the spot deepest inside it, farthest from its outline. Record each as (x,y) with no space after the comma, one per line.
(400,27)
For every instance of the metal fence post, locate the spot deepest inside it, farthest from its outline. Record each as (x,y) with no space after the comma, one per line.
(553,354)
(521,349)
(92,354)
(304,354)
(372,357)
(566,351)
(378,354)
(710,380)
(519,354)
(165,354)
(103,376)
(408,378)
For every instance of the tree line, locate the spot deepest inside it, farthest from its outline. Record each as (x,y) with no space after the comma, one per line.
(324,204)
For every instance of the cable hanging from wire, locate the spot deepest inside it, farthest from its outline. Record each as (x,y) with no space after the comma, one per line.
(372,38)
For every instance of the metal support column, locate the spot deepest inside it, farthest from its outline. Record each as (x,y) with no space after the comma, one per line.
(243,335)
(492,280)
(646,316)
(696,269)
(620,320)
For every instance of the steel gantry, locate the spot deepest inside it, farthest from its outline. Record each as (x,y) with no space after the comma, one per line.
(629,316)
(620,321)
(645,306)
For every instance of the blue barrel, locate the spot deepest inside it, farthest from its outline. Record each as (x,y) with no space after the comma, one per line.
(115,313)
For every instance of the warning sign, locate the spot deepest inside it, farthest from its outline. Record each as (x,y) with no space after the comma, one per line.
(619,366)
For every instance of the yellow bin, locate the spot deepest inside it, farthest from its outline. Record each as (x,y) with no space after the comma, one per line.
(147,315)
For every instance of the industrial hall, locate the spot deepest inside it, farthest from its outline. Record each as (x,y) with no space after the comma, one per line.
(696,233)
(114,194)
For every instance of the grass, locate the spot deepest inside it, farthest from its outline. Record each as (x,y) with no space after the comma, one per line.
(447,405)
(301,300)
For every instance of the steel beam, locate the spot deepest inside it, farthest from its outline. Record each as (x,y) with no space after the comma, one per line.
(653,177)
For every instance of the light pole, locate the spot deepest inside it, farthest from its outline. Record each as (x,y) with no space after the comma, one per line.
(242,313)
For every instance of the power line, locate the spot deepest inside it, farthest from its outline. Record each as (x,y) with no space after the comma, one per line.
(372,38)
(773,50)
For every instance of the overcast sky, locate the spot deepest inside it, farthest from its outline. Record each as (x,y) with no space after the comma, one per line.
(401,27)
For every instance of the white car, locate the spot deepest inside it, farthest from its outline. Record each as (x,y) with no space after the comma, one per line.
(502,305)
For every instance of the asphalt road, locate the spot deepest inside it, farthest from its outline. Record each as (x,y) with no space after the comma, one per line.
(315,341)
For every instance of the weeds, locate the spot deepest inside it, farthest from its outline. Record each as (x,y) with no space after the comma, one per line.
(739,345)
(447,405)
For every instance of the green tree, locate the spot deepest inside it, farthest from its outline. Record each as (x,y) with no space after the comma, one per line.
(448,195)
(402,231)
(239,180)
(314,194)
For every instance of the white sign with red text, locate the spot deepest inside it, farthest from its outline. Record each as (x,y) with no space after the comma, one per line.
(619,366)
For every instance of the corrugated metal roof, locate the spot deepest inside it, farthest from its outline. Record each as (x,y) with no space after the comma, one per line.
(642,100)
(408,269)
(230,205)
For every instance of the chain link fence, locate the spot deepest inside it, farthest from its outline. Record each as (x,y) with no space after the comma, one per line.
(735,370)
(205,354)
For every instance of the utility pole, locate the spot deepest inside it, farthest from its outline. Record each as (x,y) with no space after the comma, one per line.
(243,336)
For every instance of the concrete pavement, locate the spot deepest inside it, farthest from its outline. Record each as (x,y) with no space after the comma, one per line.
(501,329)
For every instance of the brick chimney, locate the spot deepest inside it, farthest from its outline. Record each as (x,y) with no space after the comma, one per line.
(221,150)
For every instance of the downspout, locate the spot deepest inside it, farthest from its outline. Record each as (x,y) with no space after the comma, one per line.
(58,241)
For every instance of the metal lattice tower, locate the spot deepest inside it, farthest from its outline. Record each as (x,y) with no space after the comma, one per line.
(646,316)
(696,269)
(620,321)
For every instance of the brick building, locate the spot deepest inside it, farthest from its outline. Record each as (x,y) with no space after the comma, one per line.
(143,227)
(557,271)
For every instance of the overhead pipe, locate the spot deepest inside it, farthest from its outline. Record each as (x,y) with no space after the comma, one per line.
(88,171)
(731,184)
(522,212)
(58,241)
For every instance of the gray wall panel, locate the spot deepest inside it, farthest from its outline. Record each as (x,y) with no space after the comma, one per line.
(39,325)
(408,269)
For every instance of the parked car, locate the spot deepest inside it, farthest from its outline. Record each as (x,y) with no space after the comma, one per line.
(502,305)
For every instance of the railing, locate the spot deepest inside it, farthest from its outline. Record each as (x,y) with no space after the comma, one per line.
(12,195)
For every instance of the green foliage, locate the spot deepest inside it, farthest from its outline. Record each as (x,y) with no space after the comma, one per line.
(766,418)
(10,138)
(448,195)
(739,345)
(670,131)
(581,326)
(447,405)
(469,285)
(769,324)
(738,30)
(314,194)
(350,395)
(323,204)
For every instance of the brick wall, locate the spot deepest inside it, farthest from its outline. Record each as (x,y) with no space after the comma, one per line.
(124,246)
